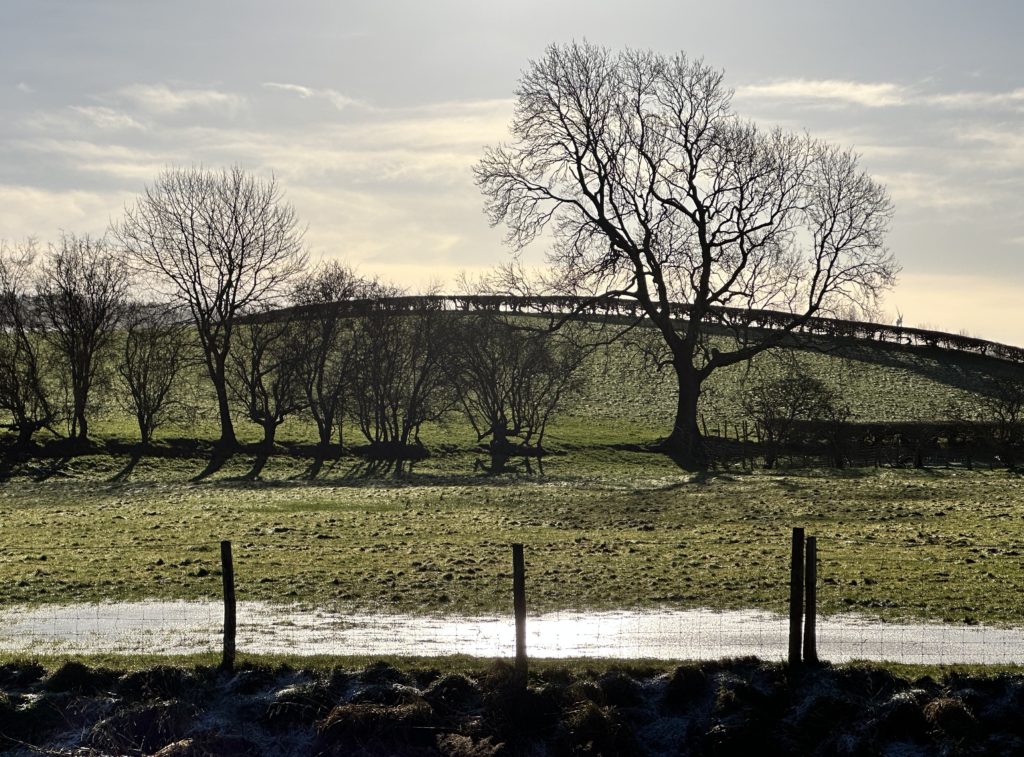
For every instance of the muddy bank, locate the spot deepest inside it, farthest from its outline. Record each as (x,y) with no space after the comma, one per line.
(715,708)
(186,627)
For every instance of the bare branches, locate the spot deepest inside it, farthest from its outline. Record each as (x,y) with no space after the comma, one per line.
(82,298)
(654,189)
(219,243)
(157,348)
(24,395)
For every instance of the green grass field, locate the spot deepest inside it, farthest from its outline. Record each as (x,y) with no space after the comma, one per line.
(606,524)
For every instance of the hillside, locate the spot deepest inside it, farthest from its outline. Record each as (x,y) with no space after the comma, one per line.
(882,381)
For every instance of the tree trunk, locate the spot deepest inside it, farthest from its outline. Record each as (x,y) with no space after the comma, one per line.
(80,396)
(685,443)
(220,385)
(83,427)
(269,434)
(25,432)
(144,430)
(324,427)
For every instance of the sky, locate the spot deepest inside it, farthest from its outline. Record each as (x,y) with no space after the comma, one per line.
(370,116)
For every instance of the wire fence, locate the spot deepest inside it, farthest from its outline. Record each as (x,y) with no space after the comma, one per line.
(900,599)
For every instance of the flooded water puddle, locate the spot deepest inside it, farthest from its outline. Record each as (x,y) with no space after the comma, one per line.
(181,627)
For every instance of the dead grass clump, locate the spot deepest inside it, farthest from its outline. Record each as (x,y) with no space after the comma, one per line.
(160,682)
(900,719)
(144,728)
(382,673)
(454,694)
(29,719)
(19,675)
(351,727)
(386,695)
(516,715)
(253,680)
(951,717)
(299,704)
(210,745)
(685,686)
(80,679)
(457,745)
(620,689)
(590,729)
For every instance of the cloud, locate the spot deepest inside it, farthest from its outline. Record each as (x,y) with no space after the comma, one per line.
(128,166)
(30,211)
(866,94)
(24,87)
(1006,146)
(931,191)
(838,92)
(335,98)
(162,99)
(1013,99)
(106,118)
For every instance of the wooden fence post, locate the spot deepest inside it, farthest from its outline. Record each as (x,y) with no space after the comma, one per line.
(228,573)
(519,608)
(796,595)
(811,589)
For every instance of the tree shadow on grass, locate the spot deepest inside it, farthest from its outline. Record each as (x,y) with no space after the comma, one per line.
(370,468)
(133,459)
(218,458)
(319,457)
(258,464)
(499,462)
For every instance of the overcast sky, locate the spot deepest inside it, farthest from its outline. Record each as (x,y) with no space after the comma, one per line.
(371,115)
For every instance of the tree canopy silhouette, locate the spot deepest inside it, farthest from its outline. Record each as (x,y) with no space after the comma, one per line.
(219,242)
(653,189)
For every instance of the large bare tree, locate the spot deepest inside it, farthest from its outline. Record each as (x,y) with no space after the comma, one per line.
(220,242)
(654,190)
(82,297)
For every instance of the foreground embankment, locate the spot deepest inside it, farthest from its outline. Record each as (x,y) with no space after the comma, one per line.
(731,707)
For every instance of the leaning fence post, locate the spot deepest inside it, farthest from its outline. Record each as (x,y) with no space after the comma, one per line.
(228,572)
(519,608)
(811,589)
(796,595)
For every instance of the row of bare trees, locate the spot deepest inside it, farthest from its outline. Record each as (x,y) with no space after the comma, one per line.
(58,317)
(388,372)
(70,325)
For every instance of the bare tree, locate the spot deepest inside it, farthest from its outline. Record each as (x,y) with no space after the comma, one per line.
(265,374)
(655,191)
(511,381)
(23,391)
(157,348)
(1003,407)
(782,406)
(399,381)
(325,344)
(82,296)
(220,242)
